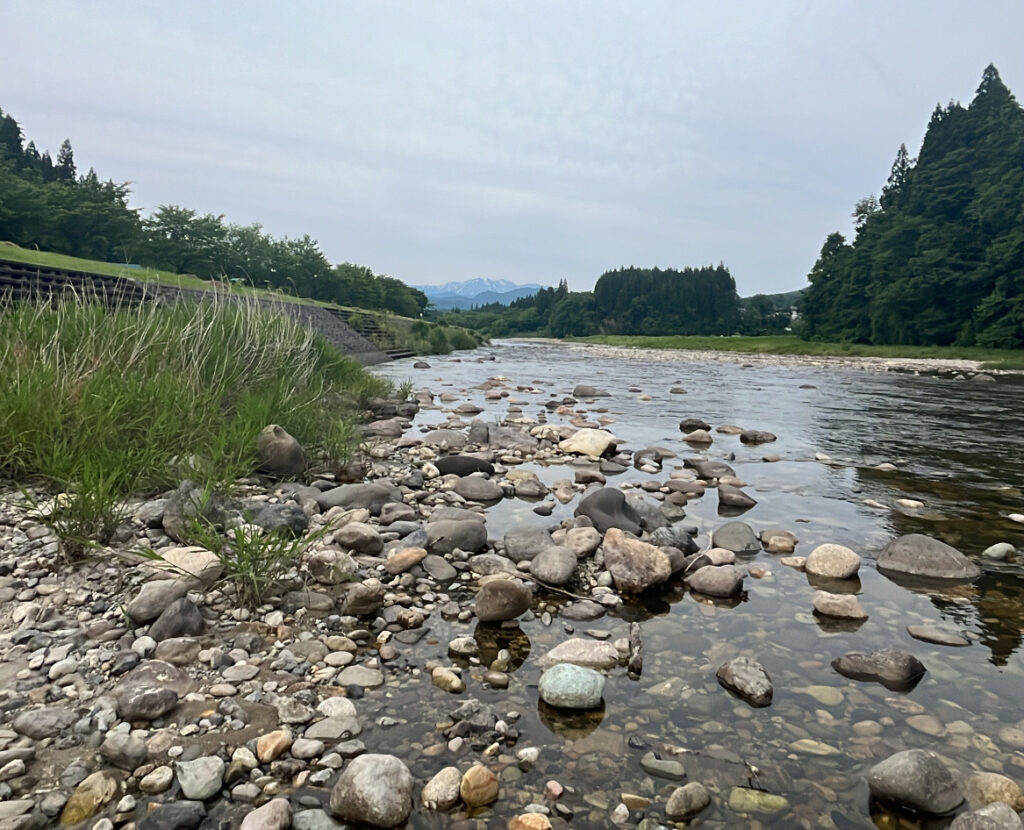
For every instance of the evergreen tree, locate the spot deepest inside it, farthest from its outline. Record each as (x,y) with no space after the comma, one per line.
(65,166)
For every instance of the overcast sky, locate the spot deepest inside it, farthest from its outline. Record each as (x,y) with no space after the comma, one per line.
(529,141)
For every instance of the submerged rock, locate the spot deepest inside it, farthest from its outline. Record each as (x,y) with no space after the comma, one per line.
(891,667)
(748,679)
(997,816)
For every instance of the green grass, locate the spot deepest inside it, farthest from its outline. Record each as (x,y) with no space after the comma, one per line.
(792,345)
(108,404)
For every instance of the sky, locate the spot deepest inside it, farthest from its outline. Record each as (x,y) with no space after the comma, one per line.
(528,141)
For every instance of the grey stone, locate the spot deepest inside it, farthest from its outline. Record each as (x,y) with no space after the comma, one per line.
(360,676)
(716,581)
(748,679)
(124,750)
(996,816)
(738,537)
(276,814)
(282,518)
(554,565)
(607,507)
(580,651)
(916,779)
(438,568)
(687,801)
(44,722)
(502,599)
(571,687)
(734,497)
(200,779)
(477,488)
(442,791)
(179,619)
(374,789)
(918,555)
(359,537)
(367,495)
(178,815)
(937,635)
(187,504)
(154,597)
(584,390)
(660,767)
(445,536)
(833,561)
(522,544)
(891,667)
(841,606)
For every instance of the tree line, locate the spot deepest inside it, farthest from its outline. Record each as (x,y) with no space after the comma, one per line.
(938,257)
(48,205)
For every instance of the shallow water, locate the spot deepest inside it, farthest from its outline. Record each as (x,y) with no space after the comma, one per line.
(956,444)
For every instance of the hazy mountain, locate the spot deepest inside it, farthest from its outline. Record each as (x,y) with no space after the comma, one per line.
(469,293)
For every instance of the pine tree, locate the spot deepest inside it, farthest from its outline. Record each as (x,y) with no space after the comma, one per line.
(66,162)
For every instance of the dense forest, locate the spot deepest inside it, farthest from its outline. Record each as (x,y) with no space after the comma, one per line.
(938,257)
(649,301)
(47,204)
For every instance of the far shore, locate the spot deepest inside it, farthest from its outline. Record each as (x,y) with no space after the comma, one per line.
(888,363)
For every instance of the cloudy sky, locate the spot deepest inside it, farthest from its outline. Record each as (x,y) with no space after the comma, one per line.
(530,141)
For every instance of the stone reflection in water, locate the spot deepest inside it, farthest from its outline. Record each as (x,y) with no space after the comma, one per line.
(570,724)
(493,638)
(998,604)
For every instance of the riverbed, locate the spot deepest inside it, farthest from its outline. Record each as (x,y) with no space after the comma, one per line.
(851,442)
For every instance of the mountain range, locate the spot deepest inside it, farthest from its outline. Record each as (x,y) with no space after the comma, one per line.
(476,292)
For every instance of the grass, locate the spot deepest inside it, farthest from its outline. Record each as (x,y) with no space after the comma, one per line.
(792,345)
(109,404)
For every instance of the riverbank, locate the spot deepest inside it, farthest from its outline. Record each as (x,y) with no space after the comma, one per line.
(781,348)
(400,664)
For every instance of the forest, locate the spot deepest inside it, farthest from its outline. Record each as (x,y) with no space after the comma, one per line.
(47,204)
(938,257)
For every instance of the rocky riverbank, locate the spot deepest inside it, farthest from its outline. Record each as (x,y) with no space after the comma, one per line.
(388,679)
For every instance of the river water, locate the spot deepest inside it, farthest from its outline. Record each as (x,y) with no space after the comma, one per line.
(956,443)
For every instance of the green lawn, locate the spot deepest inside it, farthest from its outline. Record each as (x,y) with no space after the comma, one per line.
(790,344)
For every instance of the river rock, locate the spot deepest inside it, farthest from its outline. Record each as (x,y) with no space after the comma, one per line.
(735,498)
(373,789)
(997,816)
(738,537)
(196,567)
(841,606)
(401,560)
(690,424)
(438,568)
(915,779)
(279,454)
(44,722)
(583,390)
(154,597)
(748,679)
(554,565)
(442,791)
(747,800)
(834,561)
(446,438)
(582,541)
(686,801)
(709,470)
(937,635)
(477,488)
(368,496)
(989,787)
(756,436)
(1000,551)
(595,654)
(524,543)
(463,465)
(502,599)
(359,537)
(891,667)
(571,687)
(918,555)
(177,815)
(363,599)
(446,535)
(653,764)
(91,795)
(479,786)
(123,750)
(698,437)
(607,507)
(359,676)
(448,680)
(276,814)
(179,619)
(635,566)
(716,581)
(200,779)
(187,504)
(778,541)
(529,821)
(587,441)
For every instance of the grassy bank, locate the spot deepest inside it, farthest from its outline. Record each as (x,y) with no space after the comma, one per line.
(108,404)
(789,344)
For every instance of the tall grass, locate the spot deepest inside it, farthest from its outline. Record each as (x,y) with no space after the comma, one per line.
(106,404)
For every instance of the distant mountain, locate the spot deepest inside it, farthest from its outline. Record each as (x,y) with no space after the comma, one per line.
(469,293)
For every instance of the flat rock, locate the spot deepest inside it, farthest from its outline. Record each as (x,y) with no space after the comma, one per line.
(891,667)
(655,765)
(369,496)
(478,488)
(579,651)
(937,635)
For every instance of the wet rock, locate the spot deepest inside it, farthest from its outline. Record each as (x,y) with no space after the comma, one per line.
(502,599)
(315,819)
(698,437)
(177,815)
(709,470)
(738,537)
(359,676)
(89,797)
(595,654)
(716,581)
(583,390)
(733,497)
(778,541)
(522,544)
(755,436)
(463,465)
(989,787)
(590,442)
(1000,552)
(374,789)
(276,814)
(141,701)
(571,687)
(653,764)
(835,561)
(918,555)
(635,566)
(675,536)
(937,635)
(607,508)
(448,680)
(690,424)
(915,779)
(446,535)
(891,667)
(686,801)
(583,610)
(201,778)
(554,565)
(442,791)
(746,800)
(997,816)
(841,606)
(279,454)
(179,619)
(748,679)
(529,821)
(479,786)
(477,488)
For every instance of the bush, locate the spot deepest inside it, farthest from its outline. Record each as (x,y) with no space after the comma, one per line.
(106,404)
(438,341)
(461,339)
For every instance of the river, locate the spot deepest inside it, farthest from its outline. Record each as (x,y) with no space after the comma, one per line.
(956,446)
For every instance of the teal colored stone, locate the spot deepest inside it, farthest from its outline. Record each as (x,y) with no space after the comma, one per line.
(571,687)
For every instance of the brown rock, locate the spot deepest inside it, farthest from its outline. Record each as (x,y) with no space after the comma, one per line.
(273,745)
(401,560)
(529,821)
(479,786)
(279,453)
(634,565)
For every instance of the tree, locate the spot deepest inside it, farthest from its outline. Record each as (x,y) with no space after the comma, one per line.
(893,190)
(65,167)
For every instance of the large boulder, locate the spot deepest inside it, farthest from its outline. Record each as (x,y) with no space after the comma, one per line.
(279,454)
(721,581)
(463,465)
(477,488)
(571,687)
(915,779)
(447,535)
(607,507)
(373,789)
(918,555)
(502,599)
(748,679)
(635,566)
(834,561)
(894,669)
(554,565)
(587,441)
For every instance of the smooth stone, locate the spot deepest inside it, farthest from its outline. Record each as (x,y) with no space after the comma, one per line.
(891,667)
(554,565)
(202,778)
(841,606)
(179,619)
(1000,551)
(748,679)
(177,815)
(273,745)
(44,722)
(997,816)
(446,535)
(662,767)
(738,537)
(569,686)
(448,680)
(442,791)
(686,801)
(477,488)
(938,636)
(918,555)
(373,789)
(745,800)
(594,654)
(917,779)
(479,786)
(989,787)
(502,599)
(833,561)
(589,441)
(124,750)
(716,581)
(360,676)
(276,814)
